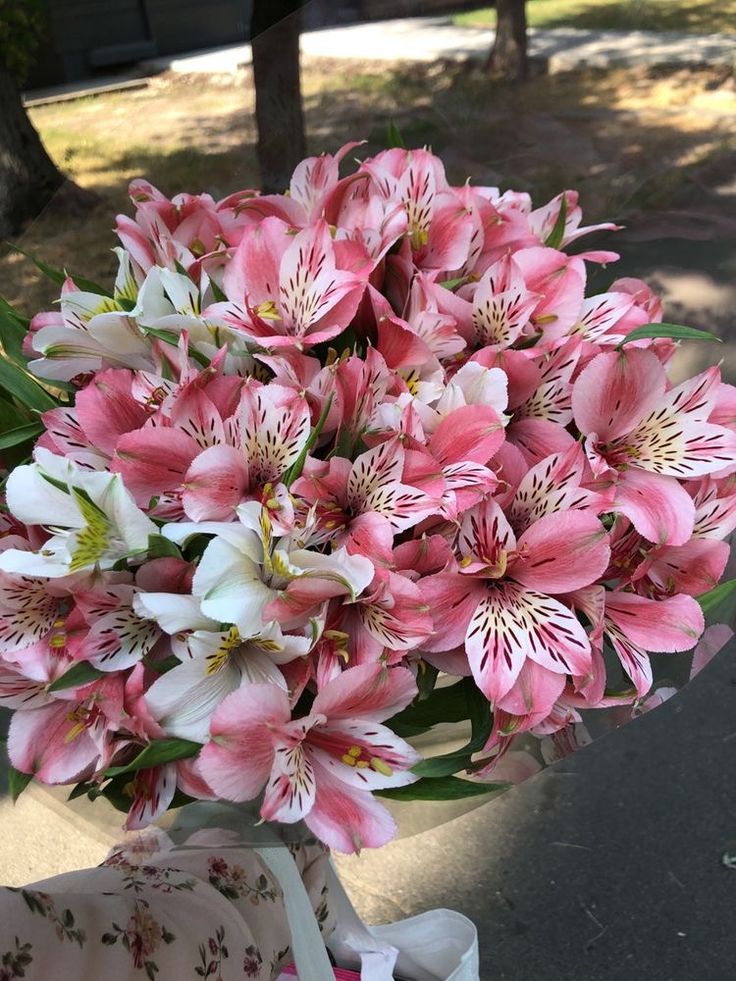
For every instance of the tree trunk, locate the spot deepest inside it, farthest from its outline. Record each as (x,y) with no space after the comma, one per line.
(28,176)
(508,58)
(275,27)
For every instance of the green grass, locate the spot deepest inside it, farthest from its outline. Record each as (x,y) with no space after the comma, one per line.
(693,16)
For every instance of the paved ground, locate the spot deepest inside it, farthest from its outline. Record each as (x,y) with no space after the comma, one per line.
(436,38)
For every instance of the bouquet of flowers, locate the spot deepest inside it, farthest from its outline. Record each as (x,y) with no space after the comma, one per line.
(326,469)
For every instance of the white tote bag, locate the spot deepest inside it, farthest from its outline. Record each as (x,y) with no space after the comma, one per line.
(440,945)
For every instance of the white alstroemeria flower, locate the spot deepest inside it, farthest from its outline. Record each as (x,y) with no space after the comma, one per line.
(92,518)
(170,301)
(243,570)
(89,331)
(475,384)
(184,699)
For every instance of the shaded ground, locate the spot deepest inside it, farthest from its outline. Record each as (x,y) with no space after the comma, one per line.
(654,150)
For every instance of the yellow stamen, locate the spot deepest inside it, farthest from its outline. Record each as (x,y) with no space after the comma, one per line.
(267,310)
(419,238)
(216,661)
(381,766)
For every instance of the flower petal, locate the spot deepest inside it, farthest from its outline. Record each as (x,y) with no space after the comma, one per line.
(347,819)
(238,761)
(369,691)
(617,390)
(562,552)
(659,507)
(512,623)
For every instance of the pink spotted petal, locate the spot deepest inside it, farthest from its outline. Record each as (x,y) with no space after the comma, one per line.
(153,792)
(215,484)
(667,442)
(562,552)
(274,422)
(512,623)
(658,506)
(452,599)
(291,789)
(330,744)
(668,625)
(616,391)
(553,485)
(693,568)
(347,819)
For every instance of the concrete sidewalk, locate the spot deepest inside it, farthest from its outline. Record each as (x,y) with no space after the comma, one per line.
(437,39)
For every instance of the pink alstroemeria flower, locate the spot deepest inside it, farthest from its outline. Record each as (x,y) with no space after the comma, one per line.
(498,599)
(647,439)
(68,738)
(285,289)
(320,768)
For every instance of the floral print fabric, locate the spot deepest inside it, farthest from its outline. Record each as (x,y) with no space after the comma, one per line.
(153,914)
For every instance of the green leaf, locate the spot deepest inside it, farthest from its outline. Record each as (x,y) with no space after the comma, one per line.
(59,276)
(12,415)
(451,284)
(297,466)
(13,329)
(81,674)
(17,782)
(160,547)
(218,293)
(84,789)
(394,138)
(21,386)
(555,237)
(20,434)
(479,712)
(426,680)
(676,331)
(156,753)
(448,704)
(441,788)
(714,597)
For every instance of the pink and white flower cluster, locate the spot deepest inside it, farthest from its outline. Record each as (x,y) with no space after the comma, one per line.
(322,443)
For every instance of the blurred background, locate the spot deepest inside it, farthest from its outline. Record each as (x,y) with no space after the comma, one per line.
(621,862)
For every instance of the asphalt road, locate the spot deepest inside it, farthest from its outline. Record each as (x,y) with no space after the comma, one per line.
(607,867)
